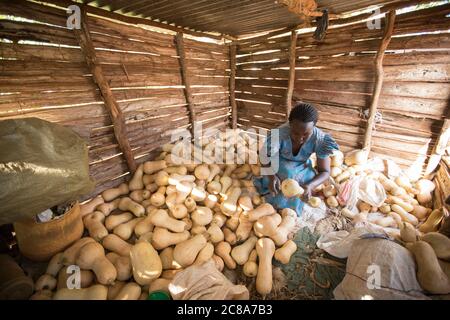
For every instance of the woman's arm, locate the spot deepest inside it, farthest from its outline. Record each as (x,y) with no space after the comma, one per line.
(323,167)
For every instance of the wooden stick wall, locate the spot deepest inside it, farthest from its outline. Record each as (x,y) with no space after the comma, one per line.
(337,76)
(44,74)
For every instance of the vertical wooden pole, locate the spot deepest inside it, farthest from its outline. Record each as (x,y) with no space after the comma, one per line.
(120,131)
(439,148)
(186,79)
(292,65)
(379,77)
(233,86)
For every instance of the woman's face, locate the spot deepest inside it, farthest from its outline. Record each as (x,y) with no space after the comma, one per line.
(301,131)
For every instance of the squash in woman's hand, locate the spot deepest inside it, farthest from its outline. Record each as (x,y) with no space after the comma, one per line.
(291,188)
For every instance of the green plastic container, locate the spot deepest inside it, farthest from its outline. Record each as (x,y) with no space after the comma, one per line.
(158,295)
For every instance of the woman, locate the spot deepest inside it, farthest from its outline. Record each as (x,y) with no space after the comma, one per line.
(298,140)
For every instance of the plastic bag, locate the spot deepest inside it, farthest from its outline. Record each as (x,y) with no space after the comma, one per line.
(42,164)
(205,282)
(371,192)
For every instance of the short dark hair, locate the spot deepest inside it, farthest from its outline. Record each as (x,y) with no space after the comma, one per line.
(304,112)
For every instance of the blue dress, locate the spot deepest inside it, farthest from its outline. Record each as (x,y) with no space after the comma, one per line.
(297,167)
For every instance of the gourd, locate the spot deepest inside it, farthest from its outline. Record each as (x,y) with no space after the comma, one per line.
(250,268)
(425,186)
(399,201)
(205,254)
(160,284)
(229,235)
(245,202)
(126,204)
(163,238)
(363,206)
(386,222)
(229,206)
(214,170)
(332,202)
(265,209)
(257,200)
(152,188)
(398,219)
(424,198)
(440,244)
(265,248)
(122,265)
(433,221)
(267,225)
(335,172)
(216,234)
(343,176)
(161,219)
(146,237)
(337,158)
(162,179)
(111,194)
(42,295)
(113,221)
(114,289)
(348,214)
(291,188)
(158,199)
(148,179)
(145,262)
(226,183)
(429,273)
(190,204)
(219,219)
(223,250)
(286,226)
(140,195)
(70,254)
(315,202)
(136,183)
(404,182)
(385,209)
(130,291)
(108,207)
(241,253)
(195,230)
(229,169)
(170,274)
(179,211)
(87,278)
(90,206)
(202,172)
(185,252)
(356,157)
(245,227)
(210,201)
(408,232)
(202,216)
(115,244)
(198,193)
(233,222)
(55,264)
(92,257)
(181,170)
(45,282)
(176,179)
(284,253)
(218,261)
(167,261)
(329,191)
(421,212)
(125,230)
(96,292)
(154,166)
(144,226)
(405,215)
(214,187)
(93,222)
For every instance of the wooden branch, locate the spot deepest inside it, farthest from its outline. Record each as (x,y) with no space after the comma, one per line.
(379,76)
(111,105)
(292,72)
(233,86)
(132,20)
(186,79)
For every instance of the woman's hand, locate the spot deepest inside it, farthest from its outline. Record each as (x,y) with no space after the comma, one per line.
(308,192)
(274,184)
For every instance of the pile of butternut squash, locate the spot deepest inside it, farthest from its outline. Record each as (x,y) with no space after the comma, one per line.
(170,216)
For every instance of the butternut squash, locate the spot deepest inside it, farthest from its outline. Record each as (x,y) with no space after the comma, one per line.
(405,215)
(214,187)
(285,253)
(195,230)
(245,202)
(90,206)
(226,183)
(356,157)
(181,170)
(163,238)
(332,202)
(424,198)
(140,195)
(185,252)
(230,236)
(267,225)
(122,265)
(265,209)
(429,272)
(421,212)
(145,262)
(223,250)
(425,186)
(92,257)
(218,261)
(257,200)
(136,183)
(55,264)
(190,204)
(265,249)
(202,172)
(167,261)
(158,199)
(170,274)
(202,216)
(161,219)
(70,254)
(160,284)
(93,222)
(315,202)
(399,201)
(250,268)
(114,289)
(130,291)
(42,295)
(245,227)
(176,179)
(329,191)
(335,172)
(152,187)
(108,207)
(440,244)
(143,226)
(347,213)
(229,206)
(214,170)
(433,221)
(148,179)
(205,254)
(211,201)
(291,188)
(286,226)
(115,244)
(87,278)
(154,166)
(146,237)
(198,193)
(216,234)
(219,219)
(126,204)
(113,221)
(241,253)
(45,282)
(408,232)
(343,176)
(111,194)
(96,292)
(385,209)
(233,222)
(125,230)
